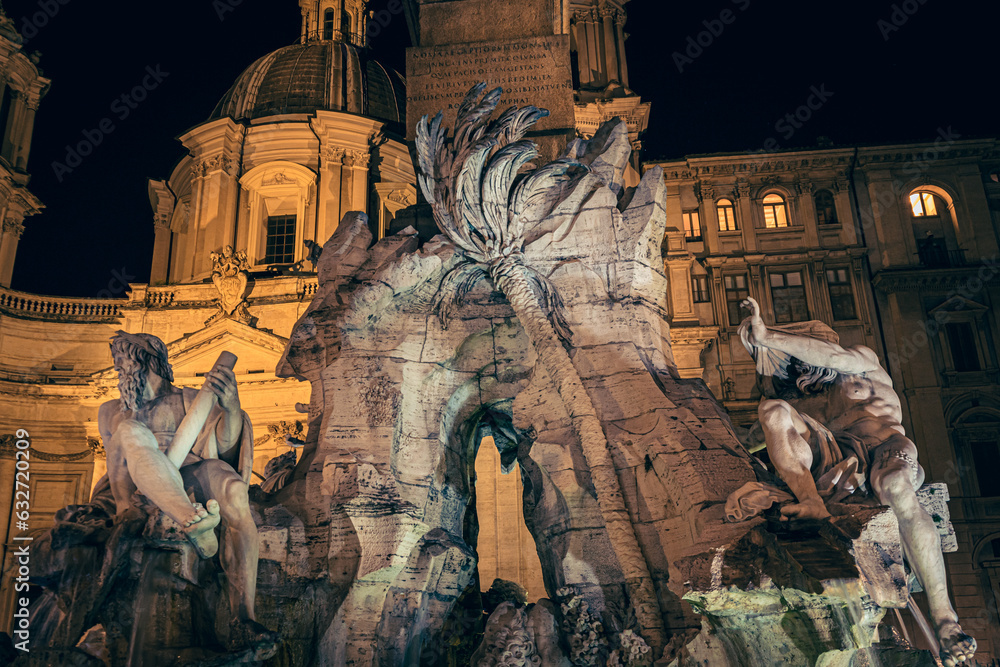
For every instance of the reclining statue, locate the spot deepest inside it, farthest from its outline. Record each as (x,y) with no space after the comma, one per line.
(832,423)
(166,442)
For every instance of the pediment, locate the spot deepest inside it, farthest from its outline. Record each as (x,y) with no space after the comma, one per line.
(197,352)
(959,304)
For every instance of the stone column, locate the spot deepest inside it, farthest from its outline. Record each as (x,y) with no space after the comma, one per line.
(582,50)
(593,45)
(845,212)
(807,209)
(620,18)
(23,149)
(611,53)
(678,265)
(710,225)
(13,227)
(355,182)
(746,219)
(330,191)
(892,228)
(161,250)
(214,210)
(15,121)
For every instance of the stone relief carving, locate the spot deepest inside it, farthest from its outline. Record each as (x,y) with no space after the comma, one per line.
(214,163)
(14,224)
(279,178)
(231,278)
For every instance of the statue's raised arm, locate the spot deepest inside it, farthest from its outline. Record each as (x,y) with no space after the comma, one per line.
(812,343)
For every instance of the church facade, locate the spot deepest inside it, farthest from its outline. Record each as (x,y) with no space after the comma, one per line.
(893,246)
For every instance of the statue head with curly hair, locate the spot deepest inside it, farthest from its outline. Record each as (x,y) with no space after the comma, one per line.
(135,356)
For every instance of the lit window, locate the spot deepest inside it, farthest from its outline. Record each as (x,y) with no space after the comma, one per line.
(826,212)
(923,205)
(699,285)
(962,341)
(328,24)
(775,214)
(788,294)
(736,292)
(727,215)
(280,247)
(692,226)
(838,281)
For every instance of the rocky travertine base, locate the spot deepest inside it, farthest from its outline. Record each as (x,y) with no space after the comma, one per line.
(811,594)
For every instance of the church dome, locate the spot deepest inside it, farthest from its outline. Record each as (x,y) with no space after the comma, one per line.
(304,78)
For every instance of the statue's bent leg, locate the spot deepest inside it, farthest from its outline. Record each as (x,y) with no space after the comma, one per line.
(787,436)
(240,545)
(895,477)
(134,455)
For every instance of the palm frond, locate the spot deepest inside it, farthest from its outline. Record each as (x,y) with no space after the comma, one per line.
(551,302)
(497,183)
(455,286)
(537,187)
(472,184)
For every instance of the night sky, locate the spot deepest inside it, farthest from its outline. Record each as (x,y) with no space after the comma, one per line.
(882,83)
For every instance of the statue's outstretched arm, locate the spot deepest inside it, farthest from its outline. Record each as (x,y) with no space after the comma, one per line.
(810,350)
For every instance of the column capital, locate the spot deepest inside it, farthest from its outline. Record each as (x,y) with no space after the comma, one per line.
(215,163)
(14,224)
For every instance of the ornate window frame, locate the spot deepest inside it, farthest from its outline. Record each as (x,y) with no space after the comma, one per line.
(277,188)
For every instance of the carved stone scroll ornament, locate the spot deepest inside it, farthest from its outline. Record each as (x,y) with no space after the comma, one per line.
(230,277)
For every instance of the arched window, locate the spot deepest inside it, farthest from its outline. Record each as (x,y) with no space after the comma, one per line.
(924,205)
(934,228)
(727,215)
(775,211)
(826,212)
(328,24)
(345,26)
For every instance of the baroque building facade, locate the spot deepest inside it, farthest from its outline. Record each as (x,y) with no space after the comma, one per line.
(895,247)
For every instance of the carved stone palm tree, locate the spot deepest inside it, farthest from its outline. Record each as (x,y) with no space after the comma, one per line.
(481,203)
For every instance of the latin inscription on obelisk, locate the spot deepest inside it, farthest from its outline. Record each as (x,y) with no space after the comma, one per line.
(533,70)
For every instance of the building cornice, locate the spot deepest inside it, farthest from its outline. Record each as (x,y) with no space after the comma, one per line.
(915,280)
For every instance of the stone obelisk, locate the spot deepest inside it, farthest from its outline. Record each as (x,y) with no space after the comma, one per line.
(520,45)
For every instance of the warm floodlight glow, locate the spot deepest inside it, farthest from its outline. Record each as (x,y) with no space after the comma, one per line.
(775,214)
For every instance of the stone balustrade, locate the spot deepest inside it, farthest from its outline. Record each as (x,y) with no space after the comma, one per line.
(75,309)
